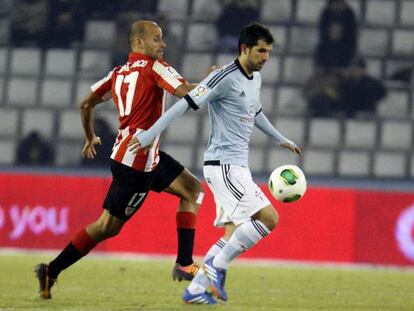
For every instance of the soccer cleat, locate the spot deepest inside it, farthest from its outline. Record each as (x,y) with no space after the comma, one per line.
(203,298)
(186,273)
(217,278)
(45,282)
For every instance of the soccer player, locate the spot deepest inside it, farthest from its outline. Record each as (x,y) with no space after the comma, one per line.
(232,94)
(138,90)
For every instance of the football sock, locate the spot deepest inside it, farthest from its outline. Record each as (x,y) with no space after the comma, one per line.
(244,237)
(200,282)
(79,246)
(186,222)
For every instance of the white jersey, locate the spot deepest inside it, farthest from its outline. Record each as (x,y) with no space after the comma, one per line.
(233,102)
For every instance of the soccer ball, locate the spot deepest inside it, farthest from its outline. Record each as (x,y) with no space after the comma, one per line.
(287,183)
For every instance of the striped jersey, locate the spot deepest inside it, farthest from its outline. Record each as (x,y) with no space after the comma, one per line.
(138,91)
(233,102)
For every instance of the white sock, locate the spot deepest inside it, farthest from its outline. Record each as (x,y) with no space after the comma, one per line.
(200,282)
(244,237)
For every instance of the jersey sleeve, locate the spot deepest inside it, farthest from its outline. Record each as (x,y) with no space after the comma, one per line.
(167,77)
(102,88)
(207,90)
(263,124)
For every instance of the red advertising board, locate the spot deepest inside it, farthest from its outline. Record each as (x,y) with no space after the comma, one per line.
(335,225)
(385,228)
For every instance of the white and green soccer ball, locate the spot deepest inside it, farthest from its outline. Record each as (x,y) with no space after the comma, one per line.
(287,183)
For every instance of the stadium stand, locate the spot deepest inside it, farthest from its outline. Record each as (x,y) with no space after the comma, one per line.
(60,62)
(361,134)
(39,120)
(22,91)
(99,34)
(8,150)
(56,92)
(3,60)
(353,163)
(8,123)
(324,133)
(41,87)
(319,161)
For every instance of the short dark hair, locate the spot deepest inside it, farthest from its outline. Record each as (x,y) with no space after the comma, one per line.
(253,33)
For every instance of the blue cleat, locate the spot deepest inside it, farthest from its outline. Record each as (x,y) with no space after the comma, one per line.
(203,298)
(217,278)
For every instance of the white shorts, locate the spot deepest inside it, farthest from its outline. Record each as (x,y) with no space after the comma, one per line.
(237,197)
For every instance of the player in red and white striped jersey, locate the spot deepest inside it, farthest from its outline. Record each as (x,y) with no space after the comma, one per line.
(138,90)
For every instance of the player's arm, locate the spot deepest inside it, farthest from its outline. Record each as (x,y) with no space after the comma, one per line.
(168,78)
(144,139)
(184,89)
(263,124)
(87,107)
(195,99)
(100,92)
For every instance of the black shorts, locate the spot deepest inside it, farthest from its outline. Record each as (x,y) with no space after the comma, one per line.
(130,187)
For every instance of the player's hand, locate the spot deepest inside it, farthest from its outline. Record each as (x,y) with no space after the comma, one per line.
(134,146)
(292,147)
(88,150)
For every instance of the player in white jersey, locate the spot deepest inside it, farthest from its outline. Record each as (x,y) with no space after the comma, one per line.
(232,94)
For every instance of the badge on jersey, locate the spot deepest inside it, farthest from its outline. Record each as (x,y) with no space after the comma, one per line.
(174,73)
(198,91)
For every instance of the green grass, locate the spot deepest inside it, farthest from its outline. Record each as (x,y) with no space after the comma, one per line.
(107,284)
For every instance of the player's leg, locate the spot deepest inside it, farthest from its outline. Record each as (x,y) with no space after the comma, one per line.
(123,199)
(199,285)
(246,235)
(80,245)
(188,188)
(251,212)
(173,178)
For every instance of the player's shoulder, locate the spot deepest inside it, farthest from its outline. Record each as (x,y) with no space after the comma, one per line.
(221,76)
(114,71)
(117,69)
(161,62)
(162,68)
(160,65)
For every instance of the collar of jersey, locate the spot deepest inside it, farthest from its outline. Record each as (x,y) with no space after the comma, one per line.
(242,70)
(133,56)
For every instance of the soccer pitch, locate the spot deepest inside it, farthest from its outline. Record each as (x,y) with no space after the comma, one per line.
(100,283)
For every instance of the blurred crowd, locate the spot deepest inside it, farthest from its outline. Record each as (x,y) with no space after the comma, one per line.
(341,83)
(61,23)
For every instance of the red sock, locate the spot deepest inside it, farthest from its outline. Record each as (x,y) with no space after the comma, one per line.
(83,242)
(186,220)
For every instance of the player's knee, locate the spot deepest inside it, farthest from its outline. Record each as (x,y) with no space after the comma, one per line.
(194,192)
(269,217)
(273,221)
